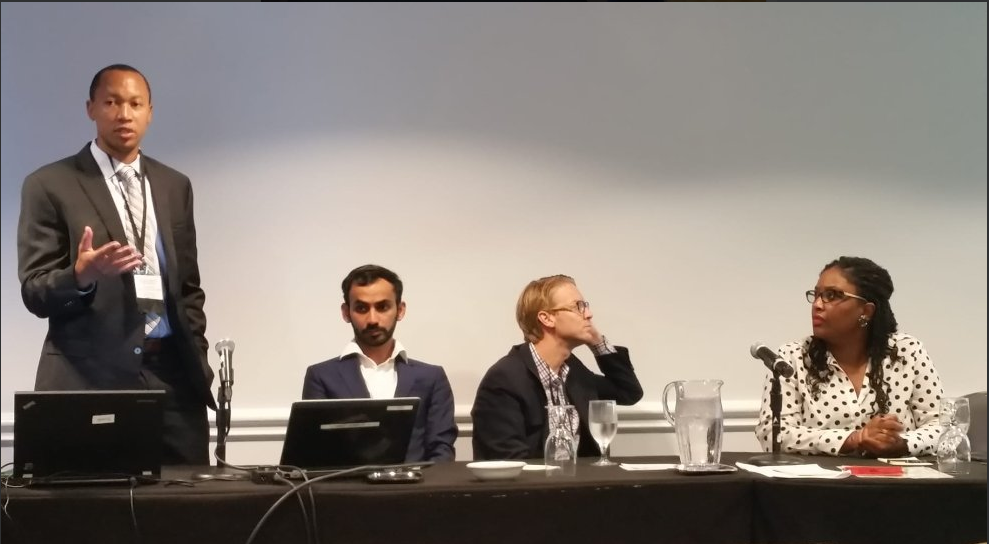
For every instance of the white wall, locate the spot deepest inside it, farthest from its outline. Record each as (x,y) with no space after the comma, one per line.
(692,165)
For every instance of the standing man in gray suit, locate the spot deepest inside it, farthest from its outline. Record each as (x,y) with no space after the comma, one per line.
(106,251)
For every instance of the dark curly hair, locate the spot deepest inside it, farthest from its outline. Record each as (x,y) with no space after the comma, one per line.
(875,285)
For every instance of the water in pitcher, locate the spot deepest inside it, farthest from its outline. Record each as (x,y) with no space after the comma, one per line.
(699,430)
(698,421)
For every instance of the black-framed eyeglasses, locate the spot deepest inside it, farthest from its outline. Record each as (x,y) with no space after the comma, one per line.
(830,295)
(579,307)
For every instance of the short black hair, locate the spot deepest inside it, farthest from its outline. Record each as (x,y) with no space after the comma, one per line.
(368,274)
(122,67)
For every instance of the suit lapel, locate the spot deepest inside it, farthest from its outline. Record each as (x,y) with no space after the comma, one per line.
(579,396)
(350,376)
(163,209)
(525,353)
(94,185)
(406,379)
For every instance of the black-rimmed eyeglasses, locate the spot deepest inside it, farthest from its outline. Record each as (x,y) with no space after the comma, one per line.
(830,295)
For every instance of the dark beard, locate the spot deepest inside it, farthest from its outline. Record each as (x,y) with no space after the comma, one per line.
(365,338)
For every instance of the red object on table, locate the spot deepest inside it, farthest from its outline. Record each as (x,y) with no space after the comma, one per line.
(863,470)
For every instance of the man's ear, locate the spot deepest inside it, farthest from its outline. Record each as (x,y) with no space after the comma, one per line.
(345,312)
(546,318)
(401,310)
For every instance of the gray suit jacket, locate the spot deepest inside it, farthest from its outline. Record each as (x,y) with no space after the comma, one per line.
(93,340)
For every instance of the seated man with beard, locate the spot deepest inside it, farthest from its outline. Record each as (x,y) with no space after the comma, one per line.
(375,365)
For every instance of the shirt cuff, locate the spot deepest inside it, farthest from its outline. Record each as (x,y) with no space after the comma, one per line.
(88,290)
(603,348)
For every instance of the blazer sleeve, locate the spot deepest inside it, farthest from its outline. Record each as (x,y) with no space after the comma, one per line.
(192,295)
(441,427)
(619,381)
(499,426)
(45,256)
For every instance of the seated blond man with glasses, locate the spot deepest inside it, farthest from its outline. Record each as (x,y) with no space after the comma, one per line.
(509,412)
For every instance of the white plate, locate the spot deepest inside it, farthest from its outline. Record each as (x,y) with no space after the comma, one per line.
(496,470)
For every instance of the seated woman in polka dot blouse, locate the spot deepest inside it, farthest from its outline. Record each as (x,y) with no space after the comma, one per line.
(859,387)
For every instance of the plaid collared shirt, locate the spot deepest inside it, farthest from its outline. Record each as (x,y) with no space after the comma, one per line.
(556,394)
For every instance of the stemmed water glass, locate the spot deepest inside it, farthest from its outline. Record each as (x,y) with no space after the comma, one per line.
(602,418)
(963,414)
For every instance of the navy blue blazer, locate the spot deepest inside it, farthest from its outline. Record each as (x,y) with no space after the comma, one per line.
(509,411)
(435,429)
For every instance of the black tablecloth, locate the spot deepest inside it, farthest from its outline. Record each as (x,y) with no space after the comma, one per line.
(600,504)
(870,510)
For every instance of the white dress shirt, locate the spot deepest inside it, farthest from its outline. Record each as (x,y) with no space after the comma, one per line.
(113,183)
(381,380)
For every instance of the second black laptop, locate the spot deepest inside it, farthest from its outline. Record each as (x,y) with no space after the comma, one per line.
(346,433)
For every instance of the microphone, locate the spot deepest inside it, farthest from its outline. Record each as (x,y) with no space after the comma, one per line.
(772,361)
(225,348)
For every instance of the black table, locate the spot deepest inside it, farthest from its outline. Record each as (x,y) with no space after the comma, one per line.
(598,505)
(870,510)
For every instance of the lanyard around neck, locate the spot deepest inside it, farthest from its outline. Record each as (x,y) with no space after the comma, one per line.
(139,239)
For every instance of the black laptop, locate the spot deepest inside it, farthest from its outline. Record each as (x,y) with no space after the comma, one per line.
(83,437)
(326,435)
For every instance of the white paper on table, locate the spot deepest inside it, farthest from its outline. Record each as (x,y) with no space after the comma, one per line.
(648,466)
(905,462)
(921,473)
(533,468)
(794,471)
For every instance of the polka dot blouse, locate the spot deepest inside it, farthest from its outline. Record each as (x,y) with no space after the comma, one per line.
(820,425)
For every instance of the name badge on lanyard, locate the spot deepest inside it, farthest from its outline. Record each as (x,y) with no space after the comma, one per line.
(148,285)
(147,282)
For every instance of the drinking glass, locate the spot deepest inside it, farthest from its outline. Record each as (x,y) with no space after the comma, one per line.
(963,414)
(560,451)
(603,421)
(954,451)
(955,412)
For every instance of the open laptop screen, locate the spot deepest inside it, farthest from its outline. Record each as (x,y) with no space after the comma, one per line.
(87,435)
(340,433)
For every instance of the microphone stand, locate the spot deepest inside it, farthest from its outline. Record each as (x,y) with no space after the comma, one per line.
(222,421)
(775,406)
(224,394)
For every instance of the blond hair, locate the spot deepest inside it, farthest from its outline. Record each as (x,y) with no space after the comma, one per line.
(536,297)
